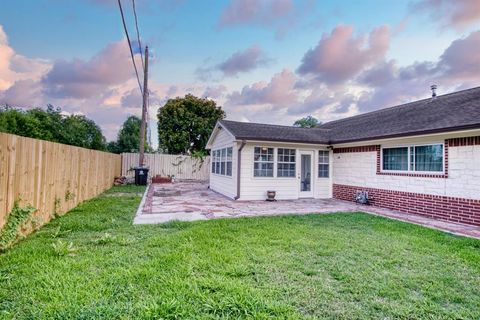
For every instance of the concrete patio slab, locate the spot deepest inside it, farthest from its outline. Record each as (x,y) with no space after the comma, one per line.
(191,201)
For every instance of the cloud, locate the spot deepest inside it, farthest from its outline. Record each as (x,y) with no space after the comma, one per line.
(458,14)
(281,15)
(339,56)
(239,62)
(243,61)
(15,67)
(279,91)
(461,59)
(23,93)
(240,12)
(81,79)
(215,92)
(389,84)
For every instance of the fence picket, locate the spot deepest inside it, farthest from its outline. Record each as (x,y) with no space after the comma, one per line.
(182,167)
(38,172)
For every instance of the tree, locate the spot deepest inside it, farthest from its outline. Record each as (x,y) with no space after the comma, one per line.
(128,139)
(185,124)
(83,132)
(307,122)
(52,125)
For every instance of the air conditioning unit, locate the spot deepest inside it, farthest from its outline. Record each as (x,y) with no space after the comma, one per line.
(362,197)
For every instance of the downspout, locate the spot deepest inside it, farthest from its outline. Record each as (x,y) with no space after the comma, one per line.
(239,161)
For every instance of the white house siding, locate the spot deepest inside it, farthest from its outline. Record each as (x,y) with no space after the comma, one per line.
(359,169)
(255,188)
(225,185)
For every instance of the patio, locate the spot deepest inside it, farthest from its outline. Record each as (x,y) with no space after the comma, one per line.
(191,201)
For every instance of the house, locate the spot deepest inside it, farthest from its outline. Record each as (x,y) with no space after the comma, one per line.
(421,157)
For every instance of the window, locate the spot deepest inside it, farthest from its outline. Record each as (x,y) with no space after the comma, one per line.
(212,157)
(263,162)
(222,161)
(423,158)
(323,164)
(229,161)
(286,162)
(395,159)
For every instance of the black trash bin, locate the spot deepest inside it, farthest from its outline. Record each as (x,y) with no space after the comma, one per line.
(141,176)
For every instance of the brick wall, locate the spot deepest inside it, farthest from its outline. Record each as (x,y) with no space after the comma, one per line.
(433,206)
(454,197)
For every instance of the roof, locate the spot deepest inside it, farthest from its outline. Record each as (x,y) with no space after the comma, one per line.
(270,132)
(450,112)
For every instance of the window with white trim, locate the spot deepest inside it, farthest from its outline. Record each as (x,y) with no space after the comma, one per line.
(229,161)
(414,158)
(263,162)
(222,161)
(213,158)
(323,164)
(286,162)
(217,164)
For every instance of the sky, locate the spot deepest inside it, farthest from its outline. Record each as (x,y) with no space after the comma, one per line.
(268,61)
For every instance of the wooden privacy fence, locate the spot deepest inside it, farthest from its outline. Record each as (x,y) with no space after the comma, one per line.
(182,167)
(51,177)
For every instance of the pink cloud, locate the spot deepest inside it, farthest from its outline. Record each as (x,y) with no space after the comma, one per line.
(339,56)
(81,79)
(15,67)
(279,91)
(215,92)
(380,74)
(458,14)
(239,62)
(254,11)
(461,59)
(243,61)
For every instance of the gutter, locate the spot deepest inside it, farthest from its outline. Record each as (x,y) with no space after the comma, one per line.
(410,134)
(239,162)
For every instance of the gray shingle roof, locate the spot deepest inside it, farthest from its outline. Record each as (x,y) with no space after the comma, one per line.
(270,132)
(450,112)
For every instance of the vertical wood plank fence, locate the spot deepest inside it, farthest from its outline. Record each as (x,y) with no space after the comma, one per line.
(51,177)
(182,167)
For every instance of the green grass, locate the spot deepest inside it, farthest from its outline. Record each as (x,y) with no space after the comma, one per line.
(93,263)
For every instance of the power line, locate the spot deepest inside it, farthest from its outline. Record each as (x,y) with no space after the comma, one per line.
(138,34)
(130,46)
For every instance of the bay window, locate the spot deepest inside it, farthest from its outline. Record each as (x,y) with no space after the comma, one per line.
(222,161)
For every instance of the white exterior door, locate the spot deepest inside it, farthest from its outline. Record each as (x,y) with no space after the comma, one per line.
(305,174)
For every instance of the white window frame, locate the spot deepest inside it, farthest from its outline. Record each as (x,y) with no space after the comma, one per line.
(217,157)
(327,163)
(274,175)
(408,146)
(277,162)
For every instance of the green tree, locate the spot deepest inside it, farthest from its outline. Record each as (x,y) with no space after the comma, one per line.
(128,139)
(52,125)
(83,132)
(306,122)
(185,124)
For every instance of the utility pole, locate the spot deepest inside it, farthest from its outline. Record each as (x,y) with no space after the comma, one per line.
(144,110)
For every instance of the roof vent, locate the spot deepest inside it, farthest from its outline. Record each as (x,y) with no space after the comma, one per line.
(434,90)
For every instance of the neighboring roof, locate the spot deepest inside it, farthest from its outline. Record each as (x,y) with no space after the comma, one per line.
(450,112)
(270,132)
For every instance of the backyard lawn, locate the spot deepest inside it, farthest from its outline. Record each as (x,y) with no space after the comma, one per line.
(93,263)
